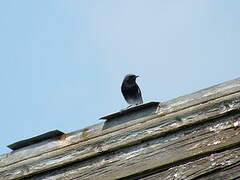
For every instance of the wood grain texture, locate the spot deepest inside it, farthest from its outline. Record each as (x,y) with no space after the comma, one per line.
(189,142)
(93,142)
(87,133)
(230,173)
(201,168)
(147,130)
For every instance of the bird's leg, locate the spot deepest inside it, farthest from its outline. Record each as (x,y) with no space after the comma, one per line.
(129,106)
(126,108)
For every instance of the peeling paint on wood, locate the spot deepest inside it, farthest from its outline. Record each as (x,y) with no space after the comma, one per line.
(194,131)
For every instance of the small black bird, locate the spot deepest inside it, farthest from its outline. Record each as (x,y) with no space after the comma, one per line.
(130,90)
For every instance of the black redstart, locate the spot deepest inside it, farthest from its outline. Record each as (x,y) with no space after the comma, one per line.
(130,90)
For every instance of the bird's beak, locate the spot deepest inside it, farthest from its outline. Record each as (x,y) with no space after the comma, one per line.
(137,76)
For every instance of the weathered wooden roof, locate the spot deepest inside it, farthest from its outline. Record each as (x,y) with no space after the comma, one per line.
(196,136)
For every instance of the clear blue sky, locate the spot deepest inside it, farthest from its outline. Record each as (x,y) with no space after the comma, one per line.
(62,62)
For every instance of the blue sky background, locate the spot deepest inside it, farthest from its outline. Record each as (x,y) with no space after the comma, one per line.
(62,62)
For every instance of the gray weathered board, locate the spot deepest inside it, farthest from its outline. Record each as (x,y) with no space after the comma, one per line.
(196,136)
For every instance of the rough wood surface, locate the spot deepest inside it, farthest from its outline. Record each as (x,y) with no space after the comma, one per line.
(230,173)
(201,168)
(93,142)
(189,142)
(156,127)
(174,105)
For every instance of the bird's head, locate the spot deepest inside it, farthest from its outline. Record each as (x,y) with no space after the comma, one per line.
(130,78)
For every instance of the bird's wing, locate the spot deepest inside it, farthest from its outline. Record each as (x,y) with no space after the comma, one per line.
(140,96)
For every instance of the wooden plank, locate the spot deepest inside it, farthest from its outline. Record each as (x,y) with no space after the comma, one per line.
(174,105)
(230,173)
(204,95)
(190,142)
(94,131)
(158,126)
(217,165)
